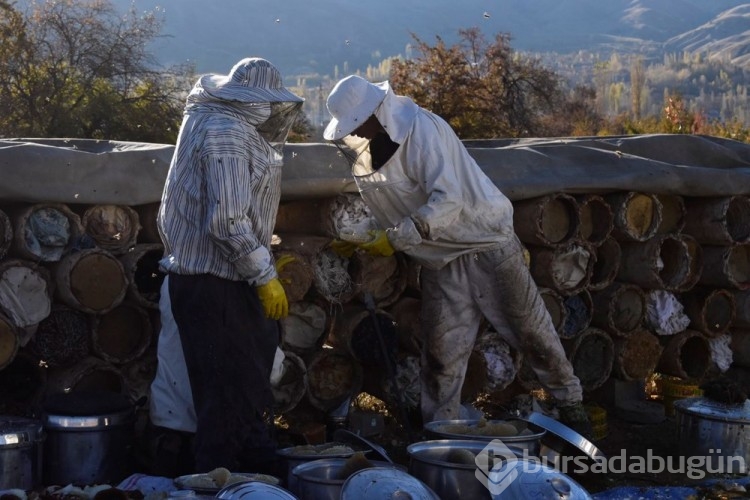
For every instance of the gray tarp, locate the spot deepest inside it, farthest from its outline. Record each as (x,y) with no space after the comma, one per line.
(128,173)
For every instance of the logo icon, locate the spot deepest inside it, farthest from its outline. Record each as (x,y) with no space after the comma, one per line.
(496,466)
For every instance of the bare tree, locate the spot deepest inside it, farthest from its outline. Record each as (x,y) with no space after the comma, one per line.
(482,89)
(80,68)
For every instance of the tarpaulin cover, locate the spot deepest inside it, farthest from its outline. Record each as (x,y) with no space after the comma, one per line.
(130,173)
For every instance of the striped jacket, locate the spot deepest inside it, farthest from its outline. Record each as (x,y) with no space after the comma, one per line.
(221,195)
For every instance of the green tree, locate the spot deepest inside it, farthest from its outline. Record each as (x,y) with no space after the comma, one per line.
(484,90)
(79,68)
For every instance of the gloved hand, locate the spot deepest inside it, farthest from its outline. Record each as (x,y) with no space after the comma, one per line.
(379,244)
(280,263)
(273,298)
(343,248)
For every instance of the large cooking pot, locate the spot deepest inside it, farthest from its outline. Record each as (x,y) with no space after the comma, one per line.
(717,432)
(478,470)
(256,490)
(528,438)
(436,464)
(381,483)
(89,438)
(319,479)
(296,455)
(20,453)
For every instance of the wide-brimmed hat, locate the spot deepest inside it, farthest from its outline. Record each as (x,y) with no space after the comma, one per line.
(351,102)
(251,80)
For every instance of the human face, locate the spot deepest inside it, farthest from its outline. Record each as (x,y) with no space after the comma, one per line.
(369,129)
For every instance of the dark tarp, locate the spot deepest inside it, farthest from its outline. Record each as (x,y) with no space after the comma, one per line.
(129,173)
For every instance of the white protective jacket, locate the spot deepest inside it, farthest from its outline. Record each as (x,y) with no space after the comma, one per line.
(433,198)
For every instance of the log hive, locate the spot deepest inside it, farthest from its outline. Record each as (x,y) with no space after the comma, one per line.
(686,355)
(619,309)
(637,216)
(6,233)
(608,256)
(144,278)
(719,220)
(593,257)
(113,228)
(548,221)
(592,355)
(44,232)
(596,219)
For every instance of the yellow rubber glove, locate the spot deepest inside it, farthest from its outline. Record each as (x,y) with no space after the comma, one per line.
(379,244)
(281,262)
(343,248)
(273,298)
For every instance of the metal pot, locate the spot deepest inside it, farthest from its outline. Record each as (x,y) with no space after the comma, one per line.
(318,479)
(254,490)
(294,456)
(505,473)
(85,447)
(20,453)
(385,483)
(530,440)
(716,431)
(429,462)
(532,479)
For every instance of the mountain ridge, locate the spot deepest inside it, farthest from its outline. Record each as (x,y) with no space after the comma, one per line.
(303,38)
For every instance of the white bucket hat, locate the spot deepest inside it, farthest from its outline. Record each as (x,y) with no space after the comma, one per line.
(251,80)
(351,102)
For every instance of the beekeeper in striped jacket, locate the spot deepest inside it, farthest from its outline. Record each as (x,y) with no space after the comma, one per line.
(216,218)
(436,205)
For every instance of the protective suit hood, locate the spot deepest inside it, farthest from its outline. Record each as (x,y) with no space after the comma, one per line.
(251,92)
(396,114)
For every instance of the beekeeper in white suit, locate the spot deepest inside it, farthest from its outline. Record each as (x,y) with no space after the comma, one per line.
(435,204)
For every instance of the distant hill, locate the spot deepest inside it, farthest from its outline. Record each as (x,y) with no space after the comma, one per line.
(307,37)
(727,36)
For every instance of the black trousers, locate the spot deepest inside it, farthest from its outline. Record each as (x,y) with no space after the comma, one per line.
(229,348)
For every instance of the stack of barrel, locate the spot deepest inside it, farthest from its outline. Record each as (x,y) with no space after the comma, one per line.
(79,294)
(606,262)
(78,302)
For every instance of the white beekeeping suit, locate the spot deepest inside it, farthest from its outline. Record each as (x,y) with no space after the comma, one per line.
(435,204)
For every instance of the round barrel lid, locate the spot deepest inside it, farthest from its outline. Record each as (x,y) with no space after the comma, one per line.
(376,483)
(563,434)
(714,410)
(19,430)
(346,436)
(533,479)
(87,410)
(254,490)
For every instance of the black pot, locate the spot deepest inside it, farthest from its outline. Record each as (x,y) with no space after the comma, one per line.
(20,453)
(89,438)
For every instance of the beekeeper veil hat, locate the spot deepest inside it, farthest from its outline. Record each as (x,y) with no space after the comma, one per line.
(250,80)
(351,102)
(254,90)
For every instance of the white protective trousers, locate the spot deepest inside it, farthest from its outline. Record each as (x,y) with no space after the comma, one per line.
(495,284)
